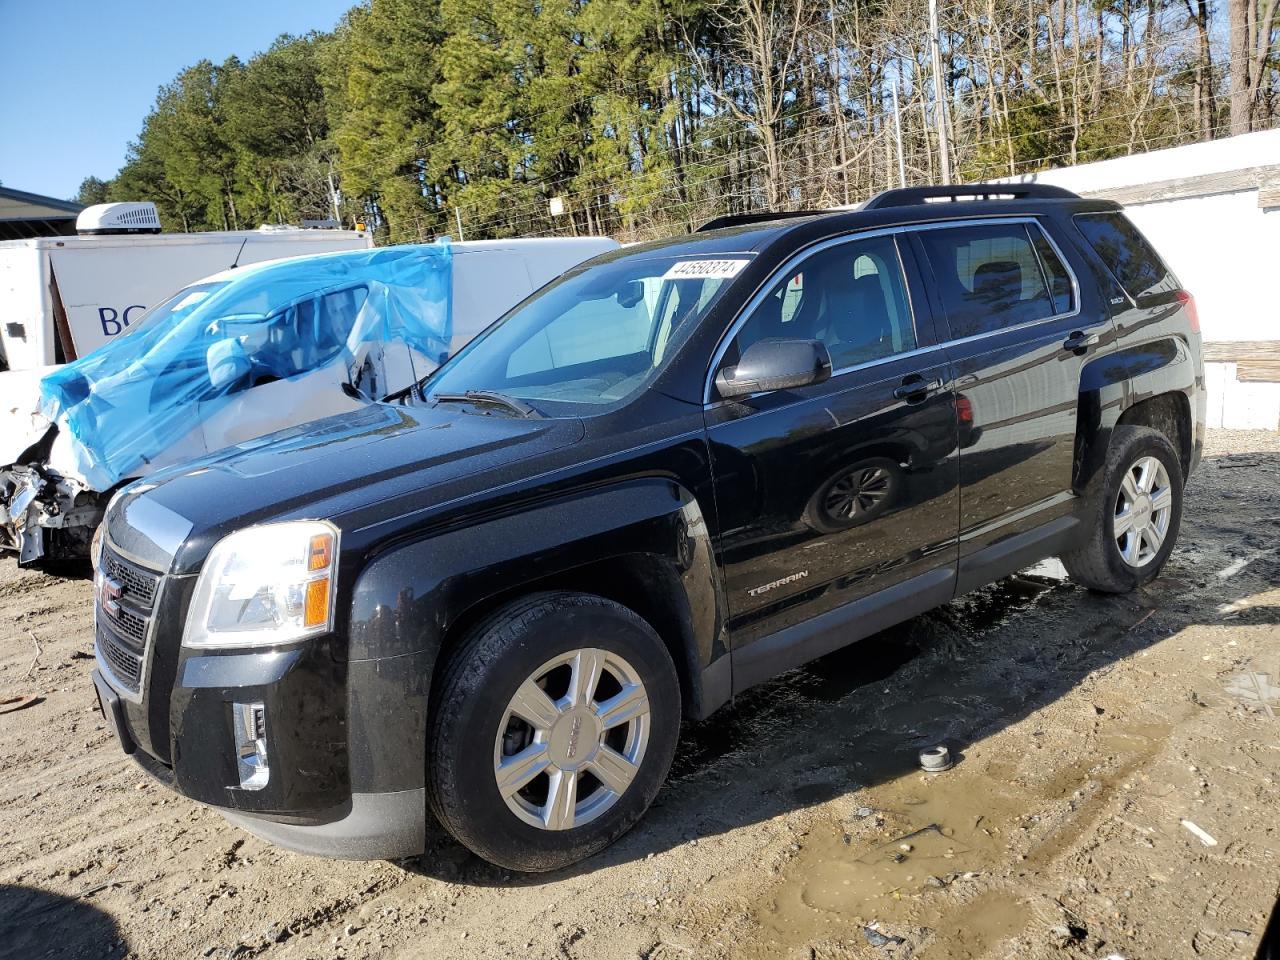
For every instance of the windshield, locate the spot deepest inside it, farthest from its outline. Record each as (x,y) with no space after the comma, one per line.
(179,305)
(595,337)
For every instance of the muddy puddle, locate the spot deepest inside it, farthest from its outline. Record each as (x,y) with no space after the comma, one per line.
(916,859)
(772,706)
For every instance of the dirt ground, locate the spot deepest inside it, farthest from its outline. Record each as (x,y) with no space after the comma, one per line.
(1116,795)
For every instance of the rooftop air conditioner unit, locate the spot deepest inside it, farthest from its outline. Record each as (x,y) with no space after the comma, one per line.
(115,218)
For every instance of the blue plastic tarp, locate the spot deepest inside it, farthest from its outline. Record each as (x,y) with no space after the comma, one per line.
(128,401)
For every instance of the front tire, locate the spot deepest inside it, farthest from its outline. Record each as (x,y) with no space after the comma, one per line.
(1136,502)
(553,726)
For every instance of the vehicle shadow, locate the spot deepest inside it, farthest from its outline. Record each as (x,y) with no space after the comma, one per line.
(1269,948)
(36,923)
(858,717)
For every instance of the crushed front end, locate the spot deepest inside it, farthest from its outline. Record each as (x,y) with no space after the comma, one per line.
(44,515)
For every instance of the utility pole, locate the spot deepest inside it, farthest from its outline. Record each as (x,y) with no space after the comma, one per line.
(897,127)
(939,98)
(333,194)
(457,216)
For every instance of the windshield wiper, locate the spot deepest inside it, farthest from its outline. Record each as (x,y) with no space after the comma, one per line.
(488,396)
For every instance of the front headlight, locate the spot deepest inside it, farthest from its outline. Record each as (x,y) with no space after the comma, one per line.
(265,585)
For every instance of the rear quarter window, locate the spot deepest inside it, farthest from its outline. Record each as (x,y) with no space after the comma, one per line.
(1127,254)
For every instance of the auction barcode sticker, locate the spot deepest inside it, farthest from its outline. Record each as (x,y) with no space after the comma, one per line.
(705,269)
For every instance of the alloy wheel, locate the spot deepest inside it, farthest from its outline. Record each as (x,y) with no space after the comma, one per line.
(572,739)
(1144,507)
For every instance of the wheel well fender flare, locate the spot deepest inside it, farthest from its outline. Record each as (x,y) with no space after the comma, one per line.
(635,541)
(1114,386)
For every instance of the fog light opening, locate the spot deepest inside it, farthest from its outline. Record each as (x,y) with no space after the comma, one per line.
(250,721)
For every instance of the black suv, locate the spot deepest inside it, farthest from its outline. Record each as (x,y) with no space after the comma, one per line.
(671,474)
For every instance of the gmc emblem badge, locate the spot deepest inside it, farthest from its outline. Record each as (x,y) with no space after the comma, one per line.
(112,590)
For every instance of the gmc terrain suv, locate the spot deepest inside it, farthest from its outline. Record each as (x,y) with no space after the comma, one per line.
(673,473)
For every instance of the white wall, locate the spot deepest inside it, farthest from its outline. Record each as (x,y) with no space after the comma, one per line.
(1197,159)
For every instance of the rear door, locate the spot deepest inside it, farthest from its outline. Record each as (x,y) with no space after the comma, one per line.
(830,492)
(1017,339)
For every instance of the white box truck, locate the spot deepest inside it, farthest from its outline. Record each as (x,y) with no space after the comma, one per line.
(63,297)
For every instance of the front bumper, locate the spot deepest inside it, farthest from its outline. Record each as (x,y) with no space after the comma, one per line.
(375,826)
(345,741)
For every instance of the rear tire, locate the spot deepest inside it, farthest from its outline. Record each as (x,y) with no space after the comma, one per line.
(1136,505)
(553,726)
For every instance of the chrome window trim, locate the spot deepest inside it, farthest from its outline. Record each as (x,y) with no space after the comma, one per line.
(708,398)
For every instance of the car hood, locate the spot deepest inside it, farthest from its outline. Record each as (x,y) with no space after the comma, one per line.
(359,464)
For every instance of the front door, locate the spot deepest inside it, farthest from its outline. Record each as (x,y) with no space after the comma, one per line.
(1017,338)
(830,492)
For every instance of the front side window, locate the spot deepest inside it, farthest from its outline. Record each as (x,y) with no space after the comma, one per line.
(1127,253)
(311,332)
(994,276)
(593,338)
(852,297)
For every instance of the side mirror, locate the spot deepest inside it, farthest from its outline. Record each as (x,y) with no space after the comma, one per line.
(227,362)
(775,365)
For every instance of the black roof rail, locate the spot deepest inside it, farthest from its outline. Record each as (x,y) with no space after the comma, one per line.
(911,196)
(740,219)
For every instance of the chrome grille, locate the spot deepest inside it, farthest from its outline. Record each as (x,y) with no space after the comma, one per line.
(122,614)
(128,625)
(140,583)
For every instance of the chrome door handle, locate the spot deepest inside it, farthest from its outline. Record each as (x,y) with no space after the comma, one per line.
(1079,341)
(915,387)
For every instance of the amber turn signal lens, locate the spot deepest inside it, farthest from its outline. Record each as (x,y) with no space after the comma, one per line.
(316,611)
(320,553)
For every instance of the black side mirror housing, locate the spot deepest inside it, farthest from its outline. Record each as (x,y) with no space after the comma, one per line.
(775,365)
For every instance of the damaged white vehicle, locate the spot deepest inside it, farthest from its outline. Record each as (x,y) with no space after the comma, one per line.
(239,355)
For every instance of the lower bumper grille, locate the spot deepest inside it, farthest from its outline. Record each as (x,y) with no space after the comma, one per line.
(125,664)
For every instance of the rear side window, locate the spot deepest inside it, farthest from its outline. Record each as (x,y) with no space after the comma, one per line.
(993,276)
(1054,272)
(1126,253)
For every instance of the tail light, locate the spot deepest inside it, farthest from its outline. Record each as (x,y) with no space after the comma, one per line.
(964,408)
(1188,304)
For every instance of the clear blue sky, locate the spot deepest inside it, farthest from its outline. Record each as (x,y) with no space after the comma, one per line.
(78,76)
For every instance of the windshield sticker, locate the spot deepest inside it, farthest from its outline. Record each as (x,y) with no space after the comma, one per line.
(705,270)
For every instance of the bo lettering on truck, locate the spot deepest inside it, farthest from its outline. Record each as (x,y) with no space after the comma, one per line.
(113,321)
